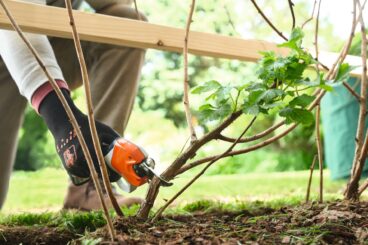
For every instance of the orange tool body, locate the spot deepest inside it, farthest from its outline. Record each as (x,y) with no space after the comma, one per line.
(132,163)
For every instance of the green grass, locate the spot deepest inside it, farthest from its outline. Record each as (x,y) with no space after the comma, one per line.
(35,198)
(44,190)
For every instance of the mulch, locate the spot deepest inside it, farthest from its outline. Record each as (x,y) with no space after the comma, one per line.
(330,223)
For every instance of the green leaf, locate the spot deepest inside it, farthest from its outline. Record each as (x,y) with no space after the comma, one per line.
(252,109)
(206,87)
(254,96)
(303,100)
(210,113)
(206,107)
(242,87)
(295,40)
(224,111)
(343,72)
(256,86)
(270,106)
(223,94)
(326,87)
(297,115)
(270,95)
(297,34)
(207,115)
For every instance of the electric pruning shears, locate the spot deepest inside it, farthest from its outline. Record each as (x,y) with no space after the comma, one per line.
(132,163)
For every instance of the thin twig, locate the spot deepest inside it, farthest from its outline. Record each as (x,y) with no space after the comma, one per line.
(254,137)
(363,187)
(268,21)
(319,152)
(351,90)
(310,18)
(316,35)
(230,20)
(91,120)
(362,160)
(347,45)
(136,10)
(162,209)
(291,6)
(238,152)
(193,135)
(64,103)
(358,163)
(310,178)
(259,135)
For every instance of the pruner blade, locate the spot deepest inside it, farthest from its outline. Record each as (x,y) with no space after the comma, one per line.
(152,173)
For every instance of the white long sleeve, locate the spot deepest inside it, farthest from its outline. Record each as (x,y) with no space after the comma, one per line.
(21,64)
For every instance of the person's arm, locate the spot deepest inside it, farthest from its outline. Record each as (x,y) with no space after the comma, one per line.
(21,64)
(34,85)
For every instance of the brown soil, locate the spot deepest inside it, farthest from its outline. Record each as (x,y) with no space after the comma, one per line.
(333,223)
(34,235)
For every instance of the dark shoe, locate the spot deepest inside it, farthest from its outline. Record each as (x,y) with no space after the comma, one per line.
(85,197)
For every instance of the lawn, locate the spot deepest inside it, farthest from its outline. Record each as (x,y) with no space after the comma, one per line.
(44,190)
(267,208)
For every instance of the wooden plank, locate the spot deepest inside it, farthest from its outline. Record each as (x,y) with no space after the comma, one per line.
(54,21)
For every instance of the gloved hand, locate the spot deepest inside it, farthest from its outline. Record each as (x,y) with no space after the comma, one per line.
(66,141)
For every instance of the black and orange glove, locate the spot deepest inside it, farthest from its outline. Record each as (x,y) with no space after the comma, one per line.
(66,141)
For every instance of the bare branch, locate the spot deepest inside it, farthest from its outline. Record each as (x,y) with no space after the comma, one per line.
(310,178)
(254,137)
(318,111)
(351,90)
(172,170)
(319,152)
(362,160)
(291,6)
(136,10)
(67,109)
(363,187)
(347,45)
(91,120)
(230,20)
(237,152)
(316,34)
(268,21)
(352,191)
(311,18)
(162,209)
(188,115)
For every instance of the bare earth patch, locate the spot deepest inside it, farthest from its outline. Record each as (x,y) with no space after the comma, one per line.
(331,223)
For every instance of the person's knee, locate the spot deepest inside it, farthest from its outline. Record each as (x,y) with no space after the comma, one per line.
(124,11)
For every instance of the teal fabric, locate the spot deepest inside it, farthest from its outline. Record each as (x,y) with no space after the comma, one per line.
(340,111)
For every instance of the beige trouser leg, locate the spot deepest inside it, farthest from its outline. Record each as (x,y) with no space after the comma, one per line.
(114,73)
(12,106)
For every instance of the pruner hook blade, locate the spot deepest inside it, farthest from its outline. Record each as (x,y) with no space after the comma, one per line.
(152,173)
